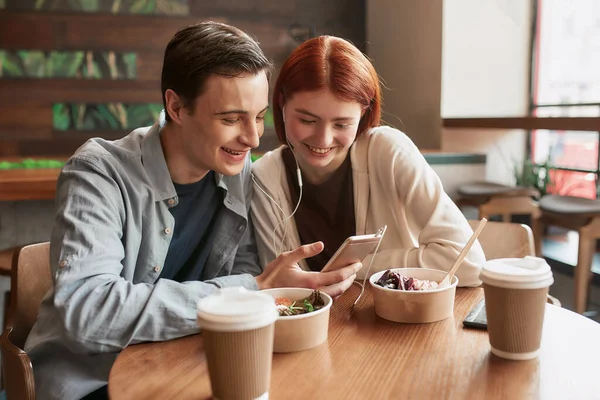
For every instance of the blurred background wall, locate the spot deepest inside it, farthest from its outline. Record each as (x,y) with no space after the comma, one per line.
(75,69)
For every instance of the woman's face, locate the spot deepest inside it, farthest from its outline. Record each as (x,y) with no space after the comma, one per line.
(321,128)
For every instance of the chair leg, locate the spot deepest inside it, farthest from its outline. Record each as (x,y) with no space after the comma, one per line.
(583,270)
(6,309)
(537,226)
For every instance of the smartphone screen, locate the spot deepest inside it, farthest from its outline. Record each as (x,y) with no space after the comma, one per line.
(354,249)
(477,318)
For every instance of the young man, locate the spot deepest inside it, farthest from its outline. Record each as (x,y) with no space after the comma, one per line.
(148,224)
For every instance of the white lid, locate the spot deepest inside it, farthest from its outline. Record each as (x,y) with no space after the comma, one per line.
(517,273)
(236,309)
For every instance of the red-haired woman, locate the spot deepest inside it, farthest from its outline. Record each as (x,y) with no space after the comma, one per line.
(356,175)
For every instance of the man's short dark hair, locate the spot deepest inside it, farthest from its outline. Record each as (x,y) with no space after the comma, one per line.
(207,48)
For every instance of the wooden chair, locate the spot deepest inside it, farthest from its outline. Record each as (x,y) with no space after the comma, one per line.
(495,199)
(6,258)
(581,215)
(30,281)
(507,240)
(6,263)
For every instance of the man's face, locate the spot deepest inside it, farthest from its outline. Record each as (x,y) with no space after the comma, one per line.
(227,121)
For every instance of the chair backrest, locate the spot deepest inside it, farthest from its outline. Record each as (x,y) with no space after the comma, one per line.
(30,280)
(505,240)
(508,240)
(17,370)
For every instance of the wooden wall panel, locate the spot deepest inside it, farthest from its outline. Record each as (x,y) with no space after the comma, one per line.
(44,31)
(31,116)
(49,91)
(26,127)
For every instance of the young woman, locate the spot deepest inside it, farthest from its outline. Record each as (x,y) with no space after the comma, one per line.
(356,175)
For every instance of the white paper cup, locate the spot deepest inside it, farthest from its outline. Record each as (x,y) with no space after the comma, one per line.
(515,299)
(238,328)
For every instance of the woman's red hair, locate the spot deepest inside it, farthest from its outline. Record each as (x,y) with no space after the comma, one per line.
(333,63)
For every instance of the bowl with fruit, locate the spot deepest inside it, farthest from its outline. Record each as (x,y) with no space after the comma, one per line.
(412,295)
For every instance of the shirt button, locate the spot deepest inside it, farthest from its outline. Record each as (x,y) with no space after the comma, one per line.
(240,228)
(168,231)
(62,264)
(157,268)
(171,202)
(228,200)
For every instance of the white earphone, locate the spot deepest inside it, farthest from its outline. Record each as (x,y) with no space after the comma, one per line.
(286,218)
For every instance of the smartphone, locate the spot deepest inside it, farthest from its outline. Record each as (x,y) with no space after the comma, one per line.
(477,318)
(354,249)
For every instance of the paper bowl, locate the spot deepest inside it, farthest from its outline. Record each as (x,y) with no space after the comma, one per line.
(414,306)
(304,331)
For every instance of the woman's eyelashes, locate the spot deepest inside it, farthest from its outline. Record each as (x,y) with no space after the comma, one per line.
(337,126)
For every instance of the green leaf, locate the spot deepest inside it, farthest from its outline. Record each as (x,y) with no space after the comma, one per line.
(107,117)
(309,307)
(172,7)
(13,65)
(130,60)
(2,57)
(74,62)
(61,119)
(142,114)
(142,7)
(34,62)
(89,5)
(64,64)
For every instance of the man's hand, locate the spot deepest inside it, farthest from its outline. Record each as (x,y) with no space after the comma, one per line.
(285,272)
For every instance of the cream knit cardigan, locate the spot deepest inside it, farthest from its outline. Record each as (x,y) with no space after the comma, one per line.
(393,186)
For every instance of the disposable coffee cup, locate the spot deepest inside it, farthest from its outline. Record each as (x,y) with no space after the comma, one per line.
(237,328)
(516,291)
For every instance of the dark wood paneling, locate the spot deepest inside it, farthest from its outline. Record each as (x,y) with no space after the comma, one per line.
(26,117)
(47,141)
(344,18)
(46,148)
(149,65)
(25,105)
(21,132)
(551,123)
(49,91)
(50,31)
(100,32)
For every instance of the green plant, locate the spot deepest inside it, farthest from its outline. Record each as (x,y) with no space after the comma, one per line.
(537,176)
(103,116)
(67,64)
(161,7)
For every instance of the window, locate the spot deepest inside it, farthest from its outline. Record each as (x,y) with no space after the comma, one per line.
(566,83)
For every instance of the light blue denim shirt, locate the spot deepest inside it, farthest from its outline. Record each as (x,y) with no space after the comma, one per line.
(110,239)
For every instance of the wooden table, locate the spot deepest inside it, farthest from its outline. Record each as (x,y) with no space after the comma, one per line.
(367,357)
(28,184)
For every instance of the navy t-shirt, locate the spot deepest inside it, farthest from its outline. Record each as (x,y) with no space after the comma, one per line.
(199,204)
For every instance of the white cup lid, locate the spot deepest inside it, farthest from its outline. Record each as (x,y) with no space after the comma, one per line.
(517,273)
(236,309)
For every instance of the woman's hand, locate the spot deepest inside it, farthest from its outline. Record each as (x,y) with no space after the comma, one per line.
(284,271)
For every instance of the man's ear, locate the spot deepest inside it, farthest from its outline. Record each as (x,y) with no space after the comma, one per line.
(173,106)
